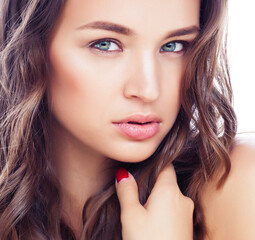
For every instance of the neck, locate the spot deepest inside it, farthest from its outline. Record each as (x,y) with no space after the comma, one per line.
(81,172)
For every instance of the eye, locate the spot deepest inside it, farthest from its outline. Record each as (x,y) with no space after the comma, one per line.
(174,47)
(105,45)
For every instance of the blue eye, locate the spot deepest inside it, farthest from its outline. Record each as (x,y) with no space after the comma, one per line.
(106,45)
(173,47)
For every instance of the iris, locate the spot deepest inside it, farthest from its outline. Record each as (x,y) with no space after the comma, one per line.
(170,47)
(104,45)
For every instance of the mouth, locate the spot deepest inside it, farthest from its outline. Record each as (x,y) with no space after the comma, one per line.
(138,126)
(138,123)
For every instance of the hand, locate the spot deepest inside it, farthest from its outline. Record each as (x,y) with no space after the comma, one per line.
(167,214)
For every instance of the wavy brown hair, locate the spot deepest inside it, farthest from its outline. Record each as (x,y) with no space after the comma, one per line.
(198,144)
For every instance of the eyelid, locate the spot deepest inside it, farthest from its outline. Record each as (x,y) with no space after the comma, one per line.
(93,43)
(185,44)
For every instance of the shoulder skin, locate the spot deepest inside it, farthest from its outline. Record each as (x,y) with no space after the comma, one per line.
(230,211)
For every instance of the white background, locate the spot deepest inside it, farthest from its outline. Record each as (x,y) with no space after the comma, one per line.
(241,52)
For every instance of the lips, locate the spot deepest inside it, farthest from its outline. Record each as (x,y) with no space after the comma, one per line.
(139,126)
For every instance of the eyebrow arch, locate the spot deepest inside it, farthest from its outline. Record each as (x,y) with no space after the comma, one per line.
(109,27)
(183,32)
(127,31)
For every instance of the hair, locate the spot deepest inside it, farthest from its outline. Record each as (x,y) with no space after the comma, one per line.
(198,144)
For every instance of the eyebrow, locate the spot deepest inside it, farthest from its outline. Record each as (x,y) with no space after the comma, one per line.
(109,27)
(183,32)
(113,27)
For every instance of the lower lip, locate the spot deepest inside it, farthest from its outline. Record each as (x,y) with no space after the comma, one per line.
(137,131)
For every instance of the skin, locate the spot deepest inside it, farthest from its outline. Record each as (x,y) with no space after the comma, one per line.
(89,89)
(163,216)
(232,206)
(229,211)
(136,78)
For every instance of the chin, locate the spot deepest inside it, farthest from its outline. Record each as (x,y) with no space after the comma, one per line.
(131,151)
(132,156)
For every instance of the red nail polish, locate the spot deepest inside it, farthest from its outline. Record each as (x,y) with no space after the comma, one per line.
(121,174)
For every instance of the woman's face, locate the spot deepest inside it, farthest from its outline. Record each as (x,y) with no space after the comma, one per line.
(116,74)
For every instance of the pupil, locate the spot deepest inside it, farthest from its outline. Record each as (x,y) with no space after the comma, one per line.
(171,46)
(104,45)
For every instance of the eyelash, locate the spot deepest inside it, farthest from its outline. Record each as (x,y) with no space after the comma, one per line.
(92,45)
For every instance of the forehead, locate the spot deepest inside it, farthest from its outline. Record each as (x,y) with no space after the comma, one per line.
(135,14)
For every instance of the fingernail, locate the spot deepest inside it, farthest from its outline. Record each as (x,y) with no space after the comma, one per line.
(121,174)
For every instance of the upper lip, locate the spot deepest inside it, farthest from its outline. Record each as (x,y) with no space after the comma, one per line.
(141,118)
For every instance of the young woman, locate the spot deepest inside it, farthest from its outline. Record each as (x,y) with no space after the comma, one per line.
(90,88)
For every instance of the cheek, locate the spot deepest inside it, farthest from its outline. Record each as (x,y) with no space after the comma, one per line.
(70,86)
(78,73)
(173,75)
(171,87)
(65,84)
(80,88)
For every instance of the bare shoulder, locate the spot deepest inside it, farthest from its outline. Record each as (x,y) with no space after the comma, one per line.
(244,144)
(230,211)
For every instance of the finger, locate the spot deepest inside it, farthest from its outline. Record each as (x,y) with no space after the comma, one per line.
(127,190)
(165,190)
(166,177)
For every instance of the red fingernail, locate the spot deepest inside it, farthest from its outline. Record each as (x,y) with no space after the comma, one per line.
(121,174)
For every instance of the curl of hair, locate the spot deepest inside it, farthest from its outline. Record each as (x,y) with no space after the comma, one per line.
(198,144)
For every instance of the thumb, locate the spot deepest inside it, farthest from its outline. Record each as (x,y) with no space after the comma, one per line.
(127,190)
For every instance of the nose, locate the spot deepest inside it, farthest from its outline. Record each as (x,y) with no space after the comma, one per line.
(143,81)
